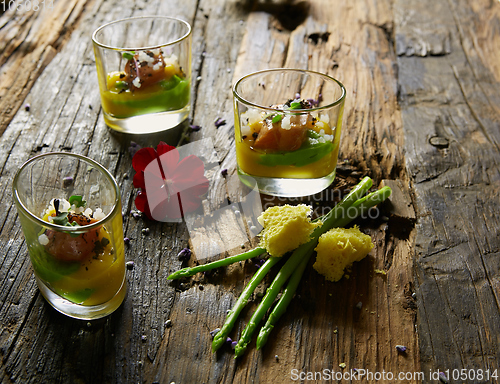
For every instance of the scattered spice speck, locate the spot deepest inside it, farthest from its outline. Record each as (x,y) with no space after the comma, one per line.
(125,176)
(126,240)
(342,365)
(67,181)
(219,122)
(443,378)
(224,172)
(380,272)
(214,332)
(194,128)
(276,358)
(145,231)
(359,305)
(130,265)
(168,323)
(144,337)
(401,348)
(184,254)
(134,147)
(27,107)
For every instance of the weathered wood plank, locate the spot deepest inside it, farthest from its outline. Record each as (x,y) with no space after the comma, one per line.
(452,95)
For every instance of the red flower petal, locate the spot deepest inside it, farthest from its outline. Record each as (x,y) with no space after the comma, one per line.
(163,148)
(141,203)
(138,180)
(142,158)
(168,162)
(168,209)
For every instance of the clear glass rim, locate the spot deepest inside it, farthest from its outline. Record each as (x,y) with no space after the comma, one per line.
(61,228)
(111,47)
(305,71)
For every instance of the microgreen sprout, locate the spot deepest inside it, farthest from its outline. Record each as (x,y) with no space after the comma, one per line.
(277,118)
(77,200)
(128,55)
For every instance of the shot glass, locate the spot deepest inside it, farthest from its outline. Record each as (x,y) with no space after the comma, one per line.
(287,130)
(144,73)
(70,212)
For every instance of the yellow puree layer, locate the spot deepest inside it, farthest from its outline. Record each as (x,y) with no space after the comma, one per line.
(104,275)
(248,160)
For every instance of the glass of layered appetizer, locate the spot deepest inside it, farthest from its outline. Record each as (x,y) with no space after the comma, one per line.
(287,130)
(144,73)
(69,207)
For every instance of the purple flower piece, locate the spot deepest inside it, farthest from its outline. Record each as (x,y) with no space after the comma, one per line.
(234,344)
(219,122)
(184,254)
(443,378)
(194,128)
(401,348)
(229,340)
(134,147)
(297,96)
(214,332)
(313,102)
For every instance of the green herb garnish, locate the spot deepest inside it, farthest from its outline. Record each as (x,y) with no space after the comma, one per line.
(277,118)
(295,105)
(128,55)
(77,200)
(61,219)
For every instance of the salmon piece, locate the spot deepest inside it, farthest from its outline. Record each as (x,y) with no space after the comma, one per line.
(274,137)
(148,72)
(65,247)
(269,136)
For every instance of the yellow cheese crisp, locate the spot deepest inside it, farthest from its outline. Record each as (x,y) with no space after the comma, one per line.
(285,228)
(339,248)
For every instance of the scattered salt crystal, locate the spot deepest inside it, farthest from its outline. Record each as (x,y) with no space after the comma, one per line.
(137,82)
(99,214)
(285,123)
(43,239)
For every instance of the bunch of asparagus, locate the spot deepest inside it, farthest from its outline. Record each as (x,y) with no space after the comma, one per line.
(352,206)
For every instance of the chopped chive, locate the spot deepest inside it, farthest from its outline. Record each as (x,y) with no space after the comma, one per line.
(277,118)
(128,55)
(121,84)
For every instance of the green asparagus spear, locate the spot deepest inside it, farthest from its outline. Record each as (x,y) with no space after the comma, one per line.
(360,206)
(190,271)
(221,336)
(282,304)
(302,252)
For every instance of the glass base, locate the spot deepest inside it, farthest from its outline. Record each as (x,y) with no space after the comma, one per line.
(83,312)
(150,123)
(286,187)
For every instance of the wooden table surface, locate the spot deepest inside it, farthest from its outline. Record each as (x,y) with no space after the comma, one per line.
(422,114)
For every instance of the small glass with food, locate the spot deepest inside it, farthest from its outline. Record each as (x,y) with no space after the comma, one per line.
(69,207)
(287,130)
(144,73)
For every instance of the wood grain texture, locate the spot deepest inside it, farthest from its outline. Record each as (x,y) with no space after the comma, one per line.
(454,96)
